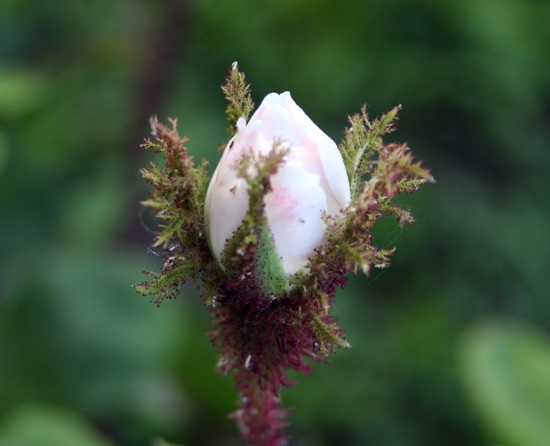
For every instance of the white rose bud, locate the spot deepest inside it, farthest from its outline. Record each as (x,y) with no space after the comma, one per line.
(311,179)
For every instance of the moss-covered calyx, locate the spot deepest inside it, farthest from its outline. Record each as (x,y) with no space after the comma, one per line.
(287,215)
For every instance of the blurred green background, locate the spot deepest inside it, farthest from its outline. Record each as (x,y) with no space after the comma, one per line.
(450,345)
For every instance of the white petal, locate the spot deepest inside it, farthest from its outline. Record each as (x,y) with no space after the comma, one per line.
(277,124)
(226,201)
(293,212)
(337,178)
(271,98)
(335,175)
(226,207)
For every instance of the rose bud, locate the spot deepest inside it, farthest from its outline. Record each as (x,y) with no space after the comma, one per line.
(311,180)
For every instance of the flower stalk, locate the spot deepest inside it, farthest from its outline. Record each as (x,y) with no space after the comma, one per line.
(270,301)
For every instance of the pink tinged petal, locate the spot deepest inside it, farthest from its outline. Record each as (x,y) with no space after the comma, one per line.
(293,211)
(338,191)
(303,124)
(334,175)
(276,124)
(270,99)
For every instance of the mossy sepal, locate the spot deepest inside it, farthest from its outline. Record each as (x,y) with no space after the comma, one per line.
(251,254)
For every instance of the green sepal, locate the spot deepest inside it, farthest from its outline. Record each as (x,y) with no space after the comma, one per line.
(361,143)
(237,94)
(270,272)
(251,254)
(177,200)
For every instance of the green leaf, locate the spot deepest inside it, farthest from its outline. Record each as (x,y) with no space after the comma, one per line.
(43,426)
(21,92)
(506,369)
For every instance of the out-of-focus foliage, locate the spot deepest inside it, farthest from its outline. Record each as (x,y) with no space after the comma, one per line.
(78,81)
(34,426)
(507,370)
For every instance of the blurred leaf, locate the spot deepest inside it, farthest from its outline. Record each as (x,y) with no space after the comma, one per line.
(506,368)
(42,426)
(74,333)
(161,442)
(94,209)
(21,92)
(4,146)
